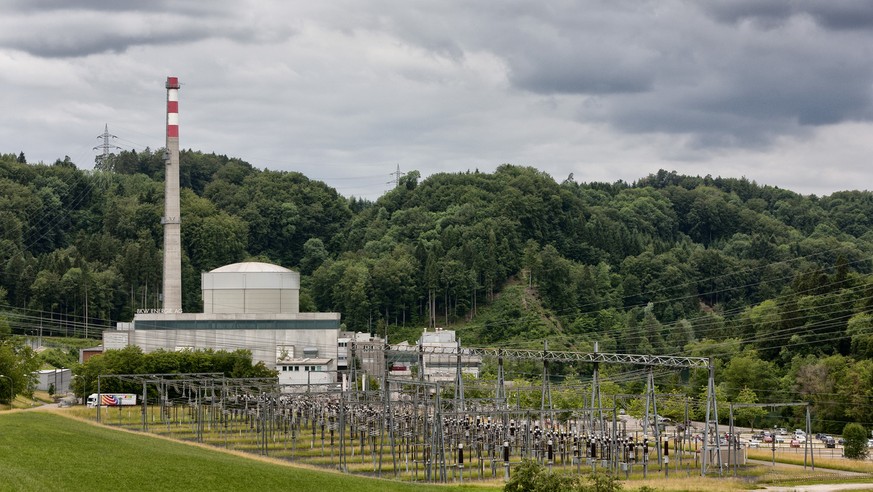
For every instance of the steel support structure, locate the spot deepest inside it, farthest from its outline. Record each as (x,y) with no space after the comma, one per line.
(807,448)
(558,356)
(596,358)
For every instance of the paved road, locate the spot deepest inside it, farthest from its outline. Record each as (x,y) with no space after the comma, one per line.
(826,487)
(865,484)
(818,469)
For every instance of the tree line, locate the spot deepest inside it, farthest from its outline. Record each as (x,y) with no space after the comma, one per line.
(774,285)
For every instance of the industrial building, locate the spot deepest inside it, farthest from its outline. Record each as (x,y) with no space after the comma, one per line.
(53,380)
(369,351)
(251,305)
(438,358)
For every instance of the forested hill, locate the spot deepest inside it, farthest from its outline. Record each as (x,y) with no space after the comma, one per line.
(775,284)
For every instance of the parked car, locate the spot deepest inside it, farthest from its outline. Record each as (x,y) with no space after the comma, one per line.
(780,439)
(753,442)
(870,443)
(781,431)
(768,439)
(795,443)
(830,442)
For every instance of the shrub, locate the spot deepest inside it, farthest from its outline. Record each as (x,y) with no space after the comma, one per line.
(524,478)
(602,482)
(530,476)
(856,441)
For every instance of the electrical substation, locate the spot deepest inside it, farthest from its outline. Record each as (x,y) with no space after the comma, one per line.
(414,429)
(358,406)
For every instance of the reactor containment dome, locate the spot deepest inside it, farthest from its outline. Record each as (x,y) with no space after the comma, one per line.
(251,287)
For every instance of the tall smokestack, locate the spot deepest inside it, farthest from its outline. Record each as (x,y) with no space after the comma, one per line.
(172,212)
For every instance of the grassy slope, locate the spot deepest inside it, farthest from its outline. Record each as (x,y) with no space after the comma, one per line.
(42,452)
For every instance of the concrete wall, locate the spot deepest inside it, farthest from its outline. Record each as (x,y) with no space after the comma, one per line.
(60,378)
(251,292)
(251,301)
(262,343)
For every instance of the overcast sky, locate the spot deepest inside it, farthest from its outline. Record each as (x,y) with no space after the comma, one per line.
(344,91)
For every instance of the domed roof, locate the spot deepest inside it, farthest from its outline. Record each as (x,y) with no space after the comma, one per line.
(250,267)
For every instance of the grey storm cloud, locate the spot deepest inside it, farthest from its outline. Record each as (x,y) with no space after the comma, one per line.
(659,67)
(193,7)
(672,67)
(62,29)
(566,85)
(842,14)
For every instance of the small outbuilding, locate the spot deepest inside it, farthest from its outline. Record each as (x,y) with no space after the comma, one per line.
(54,379)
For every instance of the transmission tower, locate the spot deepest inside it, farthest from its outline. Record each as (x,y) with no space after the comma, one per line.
(106,147)
(397,175)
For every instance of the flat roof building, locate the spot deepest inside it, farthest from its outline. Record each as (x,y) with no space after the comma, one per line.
(251,305)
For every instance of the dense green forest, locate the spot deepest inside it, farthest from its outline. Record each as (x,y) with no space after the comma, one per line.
(775,286)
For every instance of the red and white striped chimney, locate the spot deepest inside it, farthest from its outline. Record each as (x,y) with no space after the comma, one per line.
(172,292)
(172,107)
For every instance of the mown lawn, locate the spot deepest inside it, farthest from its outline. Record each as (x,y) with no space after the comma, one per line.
(42,451)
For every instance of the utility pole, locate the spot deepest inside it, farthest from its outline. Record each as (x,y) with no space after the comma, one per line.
(547,389)
(596,401)
(86,307)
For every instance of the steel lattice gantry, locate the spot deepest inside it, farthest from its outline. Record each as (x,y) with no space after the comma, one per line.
(558,356)
(596,357)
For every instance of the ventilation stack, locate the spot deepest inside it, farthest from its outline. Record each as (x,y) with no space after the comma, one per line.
(172,210)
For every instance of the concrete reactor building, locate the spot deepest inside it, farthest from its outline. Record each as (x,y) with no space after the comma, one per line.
(251,305)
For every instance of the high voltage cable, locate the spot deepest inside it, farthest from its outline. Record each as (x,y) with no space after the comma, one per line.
(782,319)
(694,296)
(740,310)
(697,295)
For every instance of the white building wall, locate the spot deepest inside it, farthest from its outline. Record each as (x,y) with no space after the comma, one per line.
(223,301)
(302,373)
(342,352)
(262,343)
(251,291)
(60,378)
(302,378)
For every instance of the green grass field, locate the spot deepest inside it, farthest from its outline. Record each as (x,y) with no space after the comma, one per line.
(45,451)
(41,451)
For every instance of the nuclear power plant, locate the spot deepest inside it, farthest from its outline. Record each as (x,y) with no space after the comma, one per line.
(252,305)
